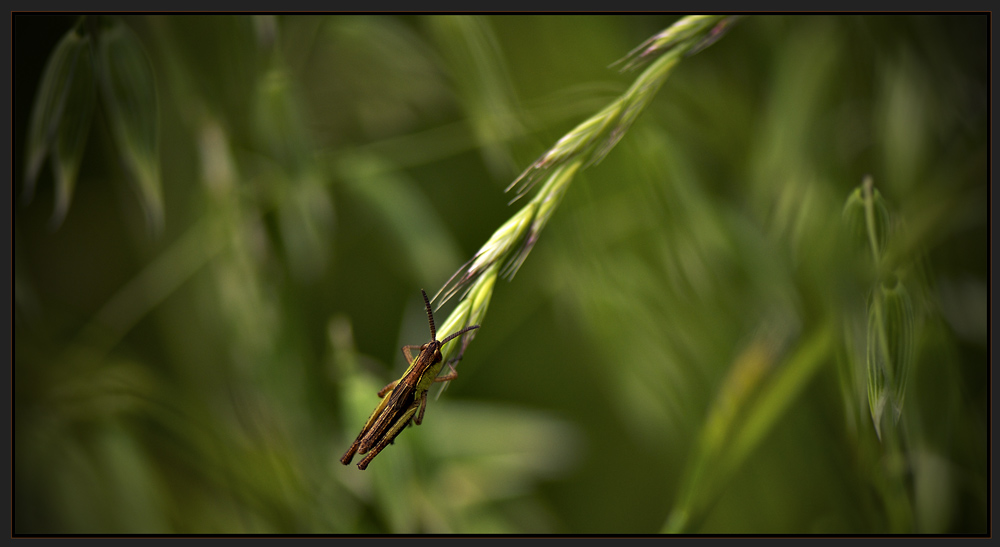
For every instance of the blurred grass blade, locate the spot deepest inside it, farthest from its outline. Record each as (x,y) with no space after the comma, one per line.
(890,349)
(278,119)
(307,216)
(66,73)
(305,210)
(864,198)
(899,324)
(484,87)
(396,201)
(71,138)
(890,337)
(877,395)
(781,391)
(128,86)
(751,402)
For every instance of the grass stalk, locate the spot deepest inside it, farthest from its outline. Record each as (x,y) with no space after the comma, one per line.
(584,146)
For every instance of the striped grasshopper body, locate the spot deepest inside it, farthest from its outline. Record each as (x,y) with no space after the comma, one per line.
(404,400)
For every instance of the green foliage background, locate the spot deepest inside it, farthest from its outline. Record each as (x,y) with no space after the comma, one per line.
(683,350)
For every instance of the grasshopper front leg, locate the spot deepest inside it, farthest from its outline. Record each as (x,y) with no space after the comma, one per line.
(423,399)
(450,376)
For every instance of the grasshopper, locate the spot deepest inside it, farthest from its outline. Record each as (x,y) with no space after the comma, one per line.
(407,397)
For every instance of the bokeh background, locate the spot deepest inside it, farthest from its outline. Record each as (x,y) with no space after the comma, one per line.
(684,349)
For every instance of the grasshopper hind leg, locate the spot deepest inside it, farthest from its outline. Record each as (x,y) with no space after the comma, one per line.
(390,436)
(349,455)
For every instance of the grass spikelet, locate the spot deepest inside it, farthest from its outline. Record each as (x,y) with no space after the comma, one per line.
(587,144)
(594,138)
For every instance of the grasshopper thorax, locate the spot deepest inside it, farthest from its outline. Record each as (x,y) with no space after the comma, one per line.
(435,347)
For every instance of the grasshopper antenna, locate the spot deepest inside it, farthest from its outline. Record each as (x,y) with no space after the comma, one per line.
(459,333)
(430,315)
